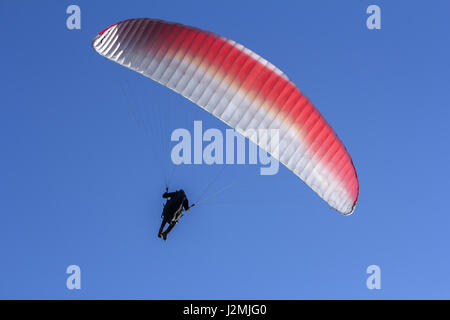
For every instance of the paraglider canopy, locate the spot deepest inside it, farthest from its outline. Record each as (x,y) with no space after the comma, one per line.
(243,90)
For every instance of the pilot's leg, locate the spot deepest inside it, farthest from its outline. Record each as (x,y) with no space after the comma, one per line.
(163,223)
(165,233)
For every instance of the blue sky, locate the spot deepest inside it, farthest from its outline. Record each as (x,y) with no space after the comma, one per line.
(81,181)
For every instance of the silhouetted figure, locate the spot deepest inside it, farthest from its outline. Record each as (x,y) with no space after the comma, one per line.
(176,203)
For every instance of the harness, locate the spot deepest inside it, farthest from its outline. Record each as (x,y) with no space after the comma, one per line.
(178,214)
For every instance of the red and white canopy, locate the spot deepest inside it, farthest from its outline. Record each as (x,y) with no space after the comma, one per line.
(243,90)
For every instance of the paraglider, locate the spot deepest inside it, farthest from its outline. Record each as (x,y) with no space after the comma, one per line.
(177,203)
(243,90)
